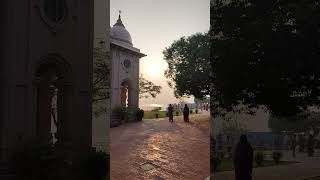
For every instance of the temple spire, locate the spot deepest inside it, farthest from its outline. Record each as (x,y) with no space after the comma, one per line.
(119,21)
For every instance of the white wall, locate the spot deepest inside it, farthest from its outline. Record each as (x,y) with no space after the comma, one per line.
(101,123)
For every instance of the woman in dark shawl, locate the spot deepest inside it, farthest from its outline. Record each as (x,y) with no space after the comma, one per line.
(243,159)
(186,113)
(170,113)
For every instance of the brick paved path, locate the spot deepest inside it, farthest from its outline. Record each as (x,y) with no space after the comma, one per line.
(307,167)
(178,150)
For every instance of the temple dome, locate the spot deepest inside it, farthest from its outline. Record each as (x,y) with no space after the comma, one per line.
(120,33)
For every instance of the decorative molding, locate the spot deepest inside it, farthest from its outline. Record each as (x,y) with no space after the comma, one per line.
(66,16)
(62,67)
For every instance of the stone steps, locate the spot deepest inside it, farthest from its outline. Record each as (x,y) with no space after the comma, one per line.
(5,173)
(115,124)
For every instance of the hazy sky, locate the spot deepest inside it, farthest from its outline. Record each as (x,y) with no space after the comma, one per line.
(154,25)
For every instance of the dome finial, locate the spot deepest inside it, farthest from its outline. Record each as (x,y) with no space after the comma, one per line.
(119,21)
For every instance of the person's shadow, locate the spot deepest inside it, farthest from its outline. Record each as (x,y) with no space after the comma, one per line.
(176,127)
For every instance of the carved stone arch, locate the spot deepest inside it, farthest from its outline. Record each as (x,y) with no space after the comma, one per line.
(126,92)
(56,63)
(59,16)
(53,78)
(128,81)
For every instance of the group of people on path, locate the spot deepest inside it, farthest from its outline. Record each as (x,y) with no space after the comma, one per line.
(185,113)
(301,142)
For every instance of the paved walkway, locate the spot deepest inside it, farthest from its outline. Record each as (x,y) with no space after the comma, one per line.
(177,150)
(307,167)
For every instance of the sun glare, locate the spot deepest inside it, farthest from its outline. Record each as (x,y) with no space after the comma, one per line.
(154,70)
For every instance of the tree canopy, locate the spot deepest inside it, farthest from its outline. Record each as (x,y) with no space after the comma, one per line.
(101,75)
(304,122)
(148,88)
(101,80)
(189,66)
(265,53)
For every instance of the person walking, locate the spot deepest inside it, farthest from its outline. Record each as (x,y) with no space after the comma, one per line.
(170,113)
(186,113)
(310,145)
(294,145)
(243,159)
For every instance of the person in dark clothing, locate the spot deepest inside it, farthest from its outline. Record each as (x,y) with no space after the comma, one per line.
(170,113)
(294,145)
(243,159)
(186,113)
(310,145)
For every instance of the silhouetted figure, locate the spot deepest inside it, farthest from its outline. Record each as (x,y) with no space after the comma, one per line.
(186,113)
(310,145)
(243,159)
(294,145)
(301,143)
(170,113)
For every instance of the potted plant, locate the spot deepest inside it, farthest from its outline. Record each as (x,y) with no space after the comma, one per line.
(96,166)
(277,155)
(215,163)
(140,114)
(259,158)
(121,114)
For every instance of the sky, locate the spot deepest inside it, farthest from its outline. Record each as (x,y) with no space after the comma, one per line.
(154,25)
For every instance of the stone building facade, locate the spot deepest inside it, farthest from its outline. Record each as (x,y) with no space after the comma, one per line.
(47,50)
(125,68)
(101,121)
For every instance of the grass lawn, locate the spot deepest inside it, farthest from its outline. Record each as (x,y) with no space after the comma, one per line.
(162,114)
(152,114)
(227,164)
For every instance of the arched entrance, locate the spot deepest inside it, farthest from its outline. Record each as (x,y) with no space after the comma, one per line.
(52,76)
(125,94)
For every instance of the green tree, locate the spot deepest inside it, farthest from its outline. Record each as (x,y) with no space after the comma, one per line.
(148,88)
(188,65)
(101,79)
(265,53)
(203,100)
(302,122)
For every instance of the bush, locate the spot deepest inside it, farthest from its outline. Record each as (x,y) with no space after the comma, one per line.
(277,156)
(96,167)
(121,113)
(191,111)
(177,113)
(215,163)
(221,154)
(140,114)
(259,158)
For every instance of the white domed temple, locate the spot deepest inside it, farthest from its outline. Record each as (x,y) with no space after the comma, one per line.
(125,68)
